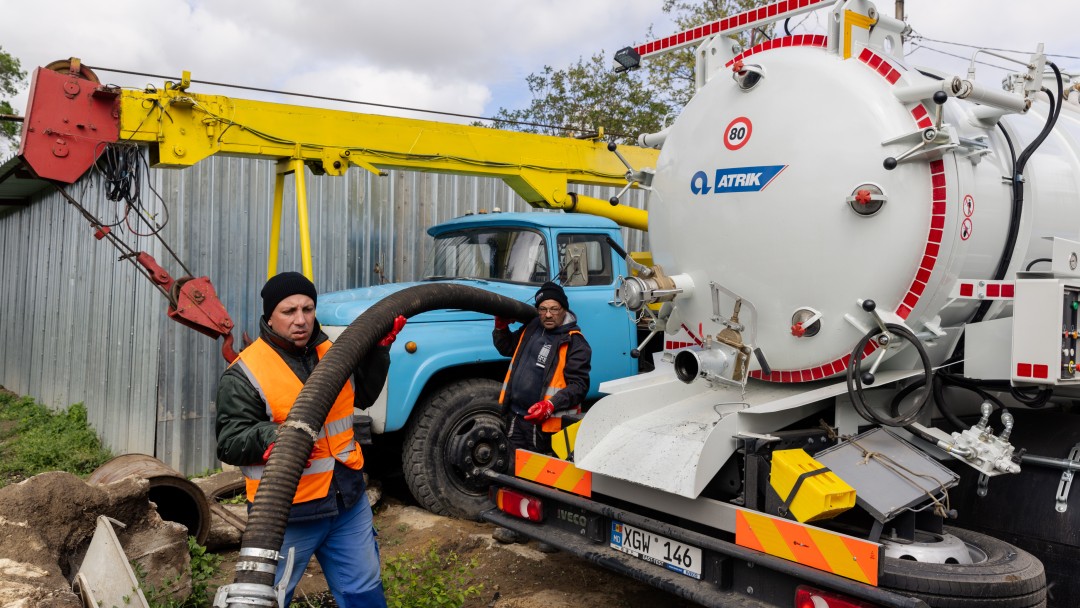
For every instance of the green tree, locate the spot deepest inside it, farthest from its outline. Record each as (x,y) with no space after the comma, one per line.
(11,78)
(672,74)
(584,98)
(590,94)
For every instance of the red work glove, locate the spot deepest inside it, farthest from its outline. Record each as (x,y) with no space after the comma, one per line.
(270,448)
(389,338)
(501,323)
(540,411)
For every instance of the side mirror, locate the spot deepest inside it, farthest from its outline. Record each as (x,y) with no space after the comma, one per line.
(575,264)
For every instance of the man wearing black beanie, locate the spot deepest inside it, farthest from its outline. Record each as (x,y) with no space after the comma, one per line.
(330,516)
(548,375)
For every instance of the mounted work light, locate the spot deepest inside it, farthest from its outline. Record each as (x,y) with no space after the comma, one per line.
(628,59)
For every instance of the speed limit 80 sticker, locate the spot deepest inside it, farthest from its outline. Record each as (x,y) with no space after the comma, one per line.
(738,133)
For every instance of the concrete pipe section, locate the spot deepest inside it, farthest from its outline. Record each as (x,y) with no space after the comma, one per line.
(177,498)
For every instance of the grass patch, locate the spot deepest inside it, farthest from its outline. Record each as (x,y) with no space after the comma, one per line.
(429,580)
(34,439)
(204,566)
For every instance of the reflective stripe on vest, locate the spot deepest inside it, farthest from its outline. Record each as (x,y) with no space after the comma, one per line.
(558,380)
(278,387)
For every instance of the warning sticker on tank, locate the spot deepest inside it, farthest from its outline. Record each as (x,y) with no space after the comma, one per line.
(738,133)
(736,179)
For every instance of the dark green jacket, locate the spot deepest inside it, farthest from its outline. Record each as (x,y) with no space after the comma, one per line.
(244,430)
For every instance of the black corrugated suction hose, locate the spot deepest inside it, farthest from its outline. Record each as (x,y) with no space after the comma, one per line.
(296,436)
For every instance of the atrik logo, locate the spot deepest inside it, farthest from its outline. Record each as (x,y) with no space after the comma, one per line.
(735,179)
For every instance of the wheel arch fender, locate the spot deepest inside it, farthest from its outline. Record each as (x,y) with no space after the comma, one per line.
(441,355)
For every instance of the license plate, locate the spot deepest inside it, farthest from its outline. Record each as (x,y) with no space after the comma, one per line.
(660,550)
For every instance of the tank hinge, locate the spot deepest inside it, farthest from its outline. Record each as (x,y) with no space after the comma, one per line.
(1066,482)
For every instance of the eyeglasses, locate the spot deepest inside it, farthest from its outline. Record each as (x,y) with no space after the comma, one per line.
(553,311)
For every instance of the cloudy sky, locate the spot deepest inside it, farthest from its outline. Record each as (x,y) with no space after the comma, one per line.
(464,56)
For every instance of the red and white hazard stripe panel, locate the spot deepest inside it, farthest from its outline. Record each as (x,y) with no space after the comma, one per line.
(983,290)
(734,23)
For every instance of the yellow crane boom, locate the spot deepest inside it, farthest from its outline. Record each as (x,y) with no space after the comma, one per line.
(183,127)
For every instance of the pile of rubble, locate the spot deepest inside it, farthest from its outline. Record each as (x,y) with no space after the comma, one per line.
(49,522)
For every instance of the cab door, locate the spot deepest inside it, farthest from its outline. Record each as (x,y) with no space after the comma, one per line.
(587,269)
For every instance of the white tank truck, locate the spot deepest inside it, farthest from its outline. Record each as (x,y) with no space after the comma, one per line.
(866,263)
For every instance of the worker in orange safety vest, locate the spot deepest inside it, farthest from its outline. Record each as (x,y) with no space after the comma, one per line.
(548,375)
(330,516)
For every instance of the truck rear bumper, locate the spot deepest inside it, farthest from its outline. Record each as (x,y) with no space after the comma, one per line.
(626,565)
(732,575)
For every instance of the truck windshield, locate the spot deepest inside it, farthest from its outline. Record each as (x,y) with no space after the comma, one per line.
(513,255)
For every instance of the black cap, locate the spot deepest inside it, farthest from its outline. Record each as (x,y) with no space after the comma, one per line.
(282,286)
(552,291)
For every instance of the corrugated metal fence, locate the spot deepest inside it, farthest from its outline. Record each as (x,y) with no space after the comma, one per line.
(78,326)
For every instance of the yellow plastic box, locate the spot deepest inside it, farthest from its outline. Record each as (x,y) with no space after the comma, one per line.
(820,496)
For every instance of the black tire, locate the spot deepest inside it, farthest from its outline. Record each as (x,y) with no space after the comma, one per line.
(1009,577)
(456,434)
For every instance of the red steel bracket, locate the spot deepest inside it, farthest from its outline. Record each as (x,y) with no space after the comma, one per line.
(68,122)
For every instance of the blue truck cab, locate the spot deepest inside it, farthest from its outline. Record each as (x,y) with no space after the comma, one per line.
(442,391)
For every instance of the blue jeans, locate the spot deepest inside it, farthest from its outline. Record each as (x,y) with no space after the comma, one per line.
(347,552)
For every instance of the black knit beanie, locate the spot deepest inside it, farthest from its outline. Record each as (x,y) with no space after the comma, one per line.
(282,286)
(552,291)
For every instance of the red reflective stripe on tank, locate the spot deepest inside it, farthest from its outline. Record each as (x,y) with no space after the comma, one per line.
(786,41)
(935,231)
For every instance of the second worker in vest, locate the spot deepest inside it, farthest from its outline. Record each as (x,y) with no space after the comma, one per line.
(548,375)
(330,516)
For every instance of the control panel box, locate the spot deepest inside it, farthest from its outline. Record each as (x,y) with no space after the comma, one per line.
(1046,317)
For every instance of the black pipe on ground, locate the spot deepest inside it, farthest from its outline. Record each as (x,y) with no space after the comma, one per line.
(296,436)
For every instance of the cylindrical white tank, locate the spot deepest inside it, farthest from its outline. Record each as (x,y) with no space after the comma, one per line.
(752,192)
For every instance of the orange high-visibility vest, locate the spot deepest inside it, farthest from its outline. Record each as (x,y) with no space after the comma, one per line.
(278,386)
(558,380)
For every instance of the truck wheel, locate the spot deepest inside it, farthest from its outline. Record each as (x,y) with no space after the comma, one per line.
(456,434)
(1001,576)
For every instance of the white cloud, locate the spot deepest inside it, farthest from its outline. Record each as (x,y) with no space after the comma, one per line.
(1001,24)
(451,48)
(465,56)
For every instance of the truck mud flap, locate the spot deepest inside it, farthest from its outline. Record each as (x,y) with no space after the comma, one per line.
(732,576)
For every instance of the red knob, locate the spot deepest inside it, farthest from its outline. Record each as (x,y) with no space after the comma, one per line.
(862,197)
(738,67)
(797,330)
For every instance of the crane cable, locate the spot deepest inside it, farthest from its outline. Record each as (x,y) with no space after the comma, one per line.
(357,102)
(121,167)
(103,231)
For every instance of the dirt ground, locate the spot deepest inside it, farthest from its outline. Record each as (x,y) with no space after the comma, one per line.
(513,576)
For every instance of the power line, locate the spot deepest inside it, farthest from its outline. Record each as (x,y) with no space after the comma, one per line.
(343,100)
(932,49)
(918,36)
